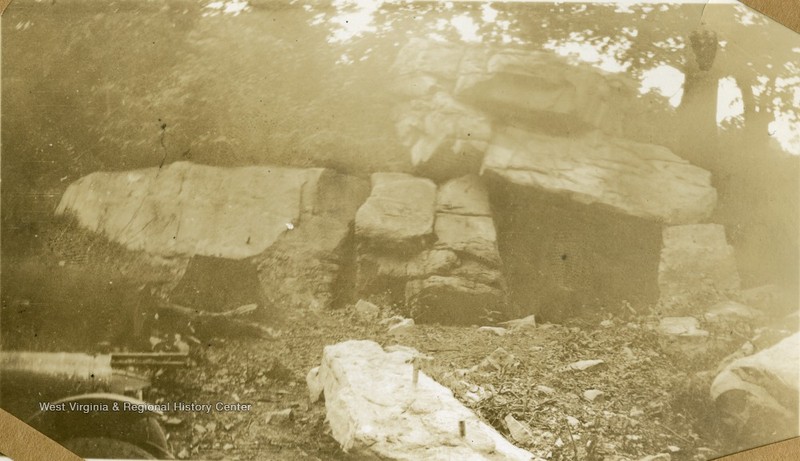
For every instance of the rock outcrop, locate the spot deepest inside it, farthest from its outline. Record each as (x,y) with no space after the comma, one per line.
(456,93)
(435,250)
(377,410)
(292,224)
(631,178)
(697,267)
(759,394)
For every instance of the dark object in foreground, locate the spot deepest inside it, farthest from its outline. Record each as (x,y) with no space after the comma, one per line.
(80,401)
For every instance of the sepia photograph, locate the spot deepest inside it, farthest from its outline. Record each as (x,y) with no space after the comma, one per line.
(398,230)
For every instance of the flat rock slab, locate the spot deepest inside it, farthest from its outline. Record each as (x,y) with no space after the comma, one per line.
(635,179)
(399,212)
(375,411)
(697,266)
(185,209)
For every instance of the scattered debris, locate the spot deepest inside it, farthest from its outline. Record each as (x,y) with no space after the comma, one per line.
(279,417)
(497,360)
(494,330)
(545,389)
(582,365)
(403,327)
(521,324)
(594,395)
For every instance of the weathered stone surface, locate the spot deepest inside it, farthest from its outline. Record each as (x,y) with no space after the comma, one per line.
(451,273)
(697,266)
(185,209)
(759,394)
(518,86)
(291,224)
(542,89)
(303,268)
(399,212)
(453,300)
(446,138)
(473,236)
(635,179)
(376,412)
(466,196)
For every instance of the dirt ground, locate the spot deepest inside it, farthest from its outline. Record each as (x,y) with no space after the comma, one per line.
(654,400)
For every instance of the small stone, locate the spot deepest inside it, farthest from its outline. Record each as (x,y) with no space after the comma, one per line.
(635,412)
(681,326)
(228,426)
(607,323)
(173,421)
(498,360)
(583,365)
(278,417)
(633,438)
(494,330)
(183,454)
(211,427)
(593,395)
(545,389)
(572,421)
(521,324)
(314,385)
(628,353)
(367,310)
(559,443)
(200,429)
(673,448)
(227,447)
(403,327)
(519,431)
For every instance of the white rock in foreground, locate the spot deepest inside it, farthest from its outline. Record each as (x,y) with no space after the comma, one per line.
(376,412)
(759,394)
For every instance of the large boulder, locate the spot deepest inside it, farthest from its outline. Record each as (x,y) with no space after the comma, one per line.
(523,88)
(697,267)
(631,178)
(453,266)
(377,410)
(759,394)
(455,94)
(292,225)
(185,209)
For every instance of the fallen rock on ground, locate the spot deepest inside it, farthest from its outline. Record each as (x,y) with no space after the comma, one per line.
(758,395)
(375,410)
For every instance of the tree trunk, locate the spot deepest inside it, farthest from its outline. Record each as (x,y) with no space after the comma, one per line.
(697,114)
